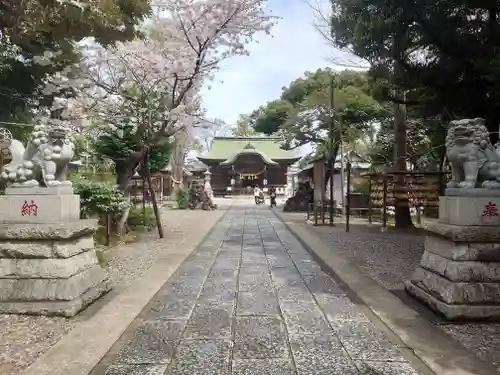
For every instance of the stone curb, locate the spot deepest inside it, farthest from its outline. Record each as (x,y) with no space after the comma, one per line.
(82,348)
(438,351)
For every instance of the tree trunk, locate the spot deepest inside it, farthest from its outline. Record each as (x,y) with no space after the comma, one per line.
(401,202)
(124,172)
(177,162)
(330,165)
(147,171)
(402,205)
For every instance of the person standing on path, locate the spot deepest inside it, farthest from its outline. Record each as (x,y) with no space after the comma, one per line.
(256,194)
(272,194)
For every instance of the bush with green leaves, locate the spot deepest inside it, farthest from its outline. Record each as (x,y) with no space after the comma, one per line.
(182,198)
(3,185)
(194,195)
(138,217)
(98,198)
(119,148)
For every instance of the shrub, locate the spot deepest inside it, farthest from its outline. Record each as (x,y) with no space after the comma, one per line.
(105,177)
(3,185)
(98,198)
(182,198)
(194,195)
(139,218)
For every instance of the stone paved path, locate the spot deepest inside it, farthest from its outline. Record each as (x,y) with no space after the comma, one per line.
(249,301)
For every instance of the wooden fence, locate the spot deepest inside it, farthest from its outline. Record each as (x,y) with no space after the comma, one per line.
(420,190)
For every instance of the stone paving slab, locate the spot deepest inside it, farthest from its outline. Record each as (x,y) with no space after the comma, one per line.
(252,300)
(266,303)
(136,370)
(321,355)
(210,320)
(260,337)
(201,357)
(270,366)
(153,343)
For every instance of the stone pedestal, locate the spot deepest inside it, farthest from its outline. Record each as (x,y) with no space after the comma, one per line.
(459,274)
(470,210)
(48,264)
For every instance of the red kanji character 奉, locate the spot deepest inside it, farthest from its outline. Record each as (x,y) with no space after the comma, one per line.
(490,210)
(29,209)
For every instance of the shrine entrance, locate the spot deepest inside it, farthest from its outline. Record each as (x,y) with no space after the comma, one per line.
(239,164)
(245,183)
(249,171)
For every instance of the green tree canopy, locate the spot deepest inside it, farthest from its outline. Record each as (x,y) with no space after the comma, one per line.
(50,27)
(117,147)
(447,52)
(303,115)
(130,126)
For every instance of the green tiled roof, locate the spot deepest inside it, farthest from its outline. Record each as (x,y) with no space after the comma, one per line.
(224,148)
(249,149)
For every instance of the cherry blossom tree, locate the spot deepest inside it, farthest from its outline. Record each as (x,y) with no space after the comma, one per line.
(151,86)
(68,20)
(214,128)
(35,27)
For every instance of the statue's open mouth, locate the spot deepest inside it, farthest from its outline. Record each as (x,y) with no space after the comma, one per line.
(58,134)
(461,132)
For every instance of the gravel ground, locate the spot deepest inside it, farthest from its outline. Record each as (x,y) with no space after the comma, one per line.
(25,338)
(390,258)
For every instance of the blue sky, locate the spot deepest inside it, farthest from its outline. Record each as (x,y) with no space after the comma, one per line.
(250,81)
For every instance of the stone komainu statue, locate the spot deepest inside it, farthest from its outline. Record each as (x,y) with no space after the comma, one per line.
(44,162)
(475,163)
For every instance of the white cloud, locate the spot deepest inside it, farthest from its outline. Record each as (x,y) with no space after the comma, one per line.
(251,81)
(247,82)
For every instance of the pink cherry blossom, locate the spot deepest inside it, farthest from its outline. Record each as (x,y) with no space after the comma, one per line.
(154,83)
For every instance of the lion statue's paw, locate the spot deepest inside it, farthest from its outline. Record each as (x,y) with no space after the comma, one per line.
(467,185)
(491,185)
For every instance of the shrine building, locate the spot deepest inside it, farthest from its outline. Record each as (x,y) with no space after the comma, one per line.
(238,164)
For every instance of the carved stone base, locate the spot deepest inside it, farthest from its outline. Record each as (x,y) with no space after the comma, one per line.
(475,192)
(35,190)
(38,205)
(49,269)
(455,312)
(470,210)
(459,279)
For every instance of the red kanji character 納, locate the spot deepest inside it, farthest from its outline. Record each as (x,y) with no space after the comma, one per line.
(29,209)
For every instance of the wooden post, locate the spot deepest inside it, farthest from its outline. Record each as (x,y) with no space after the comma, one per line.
(319,189)
(153,195)
(161,189)
(144,190)
(331,161)
(384,203)
(108,230)
(348,197)
(370,198)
